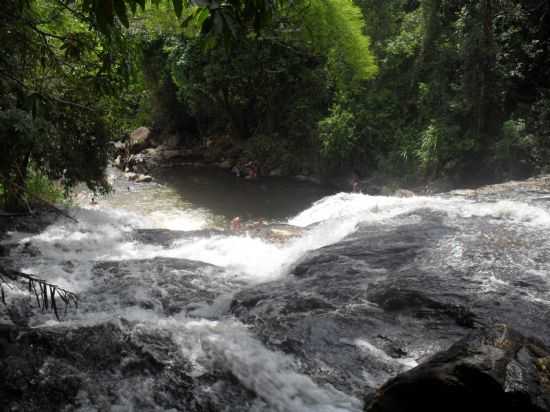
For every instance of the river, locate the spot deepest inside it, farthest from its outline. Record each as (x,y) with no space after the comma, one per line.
(365,288)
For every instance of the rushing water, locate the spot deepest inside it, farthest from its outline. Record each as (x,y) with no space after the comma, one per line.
(68,254)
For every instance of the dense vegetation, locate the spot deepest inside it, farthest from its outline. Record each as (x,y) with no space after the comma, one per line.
(417,89)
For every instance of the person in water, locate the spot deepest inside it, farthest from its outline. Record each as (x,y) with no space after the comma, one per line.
(236,224)
(355,183)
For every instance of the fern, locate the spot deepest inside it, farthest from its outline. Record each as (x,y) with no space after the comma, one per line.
(337,29)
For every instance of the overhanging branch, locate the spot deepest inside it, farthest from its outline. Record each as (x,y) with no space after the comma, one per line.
(45,293)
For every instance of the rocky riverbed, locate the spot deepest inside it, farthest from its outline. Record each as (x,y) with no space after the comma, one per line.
(356,303)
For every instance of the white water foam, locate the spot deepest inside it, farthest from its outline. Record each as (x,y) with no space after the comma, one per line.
(105,235)
(365,208)
(271,375)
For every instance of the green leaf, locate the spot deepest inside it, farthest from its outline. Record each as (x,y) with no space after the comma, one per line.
(120,8)
(178,7)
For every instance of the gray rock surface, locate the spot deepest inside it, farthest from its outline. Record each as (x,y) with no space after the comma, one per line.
(494,369)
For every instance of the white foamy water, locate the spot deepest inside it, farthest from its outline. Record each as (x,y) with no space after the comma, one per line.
(68,252)
(269,374)
(365,208)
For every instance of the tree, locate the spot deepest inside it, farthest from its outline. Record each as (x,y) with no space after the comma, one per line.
(53,73)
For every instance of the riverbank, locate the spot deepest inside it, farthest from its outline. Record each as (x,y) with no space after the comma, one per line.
(144,156)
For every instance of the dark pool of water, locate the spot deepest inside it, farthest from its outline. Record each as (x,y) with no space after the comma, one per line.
(273,198)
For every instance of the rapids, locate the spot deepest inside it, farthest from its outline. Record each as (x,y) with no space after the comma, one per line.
(254,309)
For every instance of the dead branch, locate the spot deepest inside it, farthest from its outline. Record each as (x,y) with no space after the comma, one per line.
(45,293)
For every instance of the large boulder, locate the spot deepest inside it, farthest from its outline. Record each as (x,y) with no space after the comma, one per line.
(140,139)
(494,369)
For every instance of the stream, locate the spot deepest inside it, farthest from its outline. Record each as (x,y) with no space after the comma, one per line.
(178,313)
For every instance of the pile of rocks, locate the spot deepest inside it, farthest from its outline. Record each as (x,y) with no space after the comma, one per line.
(143,152)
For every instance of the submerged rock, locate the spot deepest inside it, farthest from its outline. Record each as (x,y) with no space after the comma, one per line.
(495,369)
(274,232)
(165,237)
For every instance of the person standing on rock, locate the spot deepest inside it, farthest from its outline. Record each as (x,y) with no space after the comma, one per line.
(355,183)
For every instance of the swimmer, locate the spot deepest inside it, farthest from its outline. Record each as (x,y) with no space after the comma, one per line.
(236,224)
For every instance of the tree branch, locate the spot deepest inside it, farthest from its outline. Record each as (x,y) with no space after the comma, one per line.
(45,293)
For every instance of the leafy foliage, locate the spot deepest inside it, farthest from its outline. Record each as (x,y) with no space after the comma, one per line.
(424,88)
(336,30)
(337,133)
(53,74)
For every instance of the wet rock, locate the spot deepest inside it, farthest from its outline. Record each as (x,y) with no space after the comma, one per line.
(131,176)
(322,315)
(163,285)
(144,179)
(138,177)
(17,310)
(33,223)
(165,237)
(107,366)
(367,308)
(494,369)
(119,147)
(170,154)
(275,232)
(144,162)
